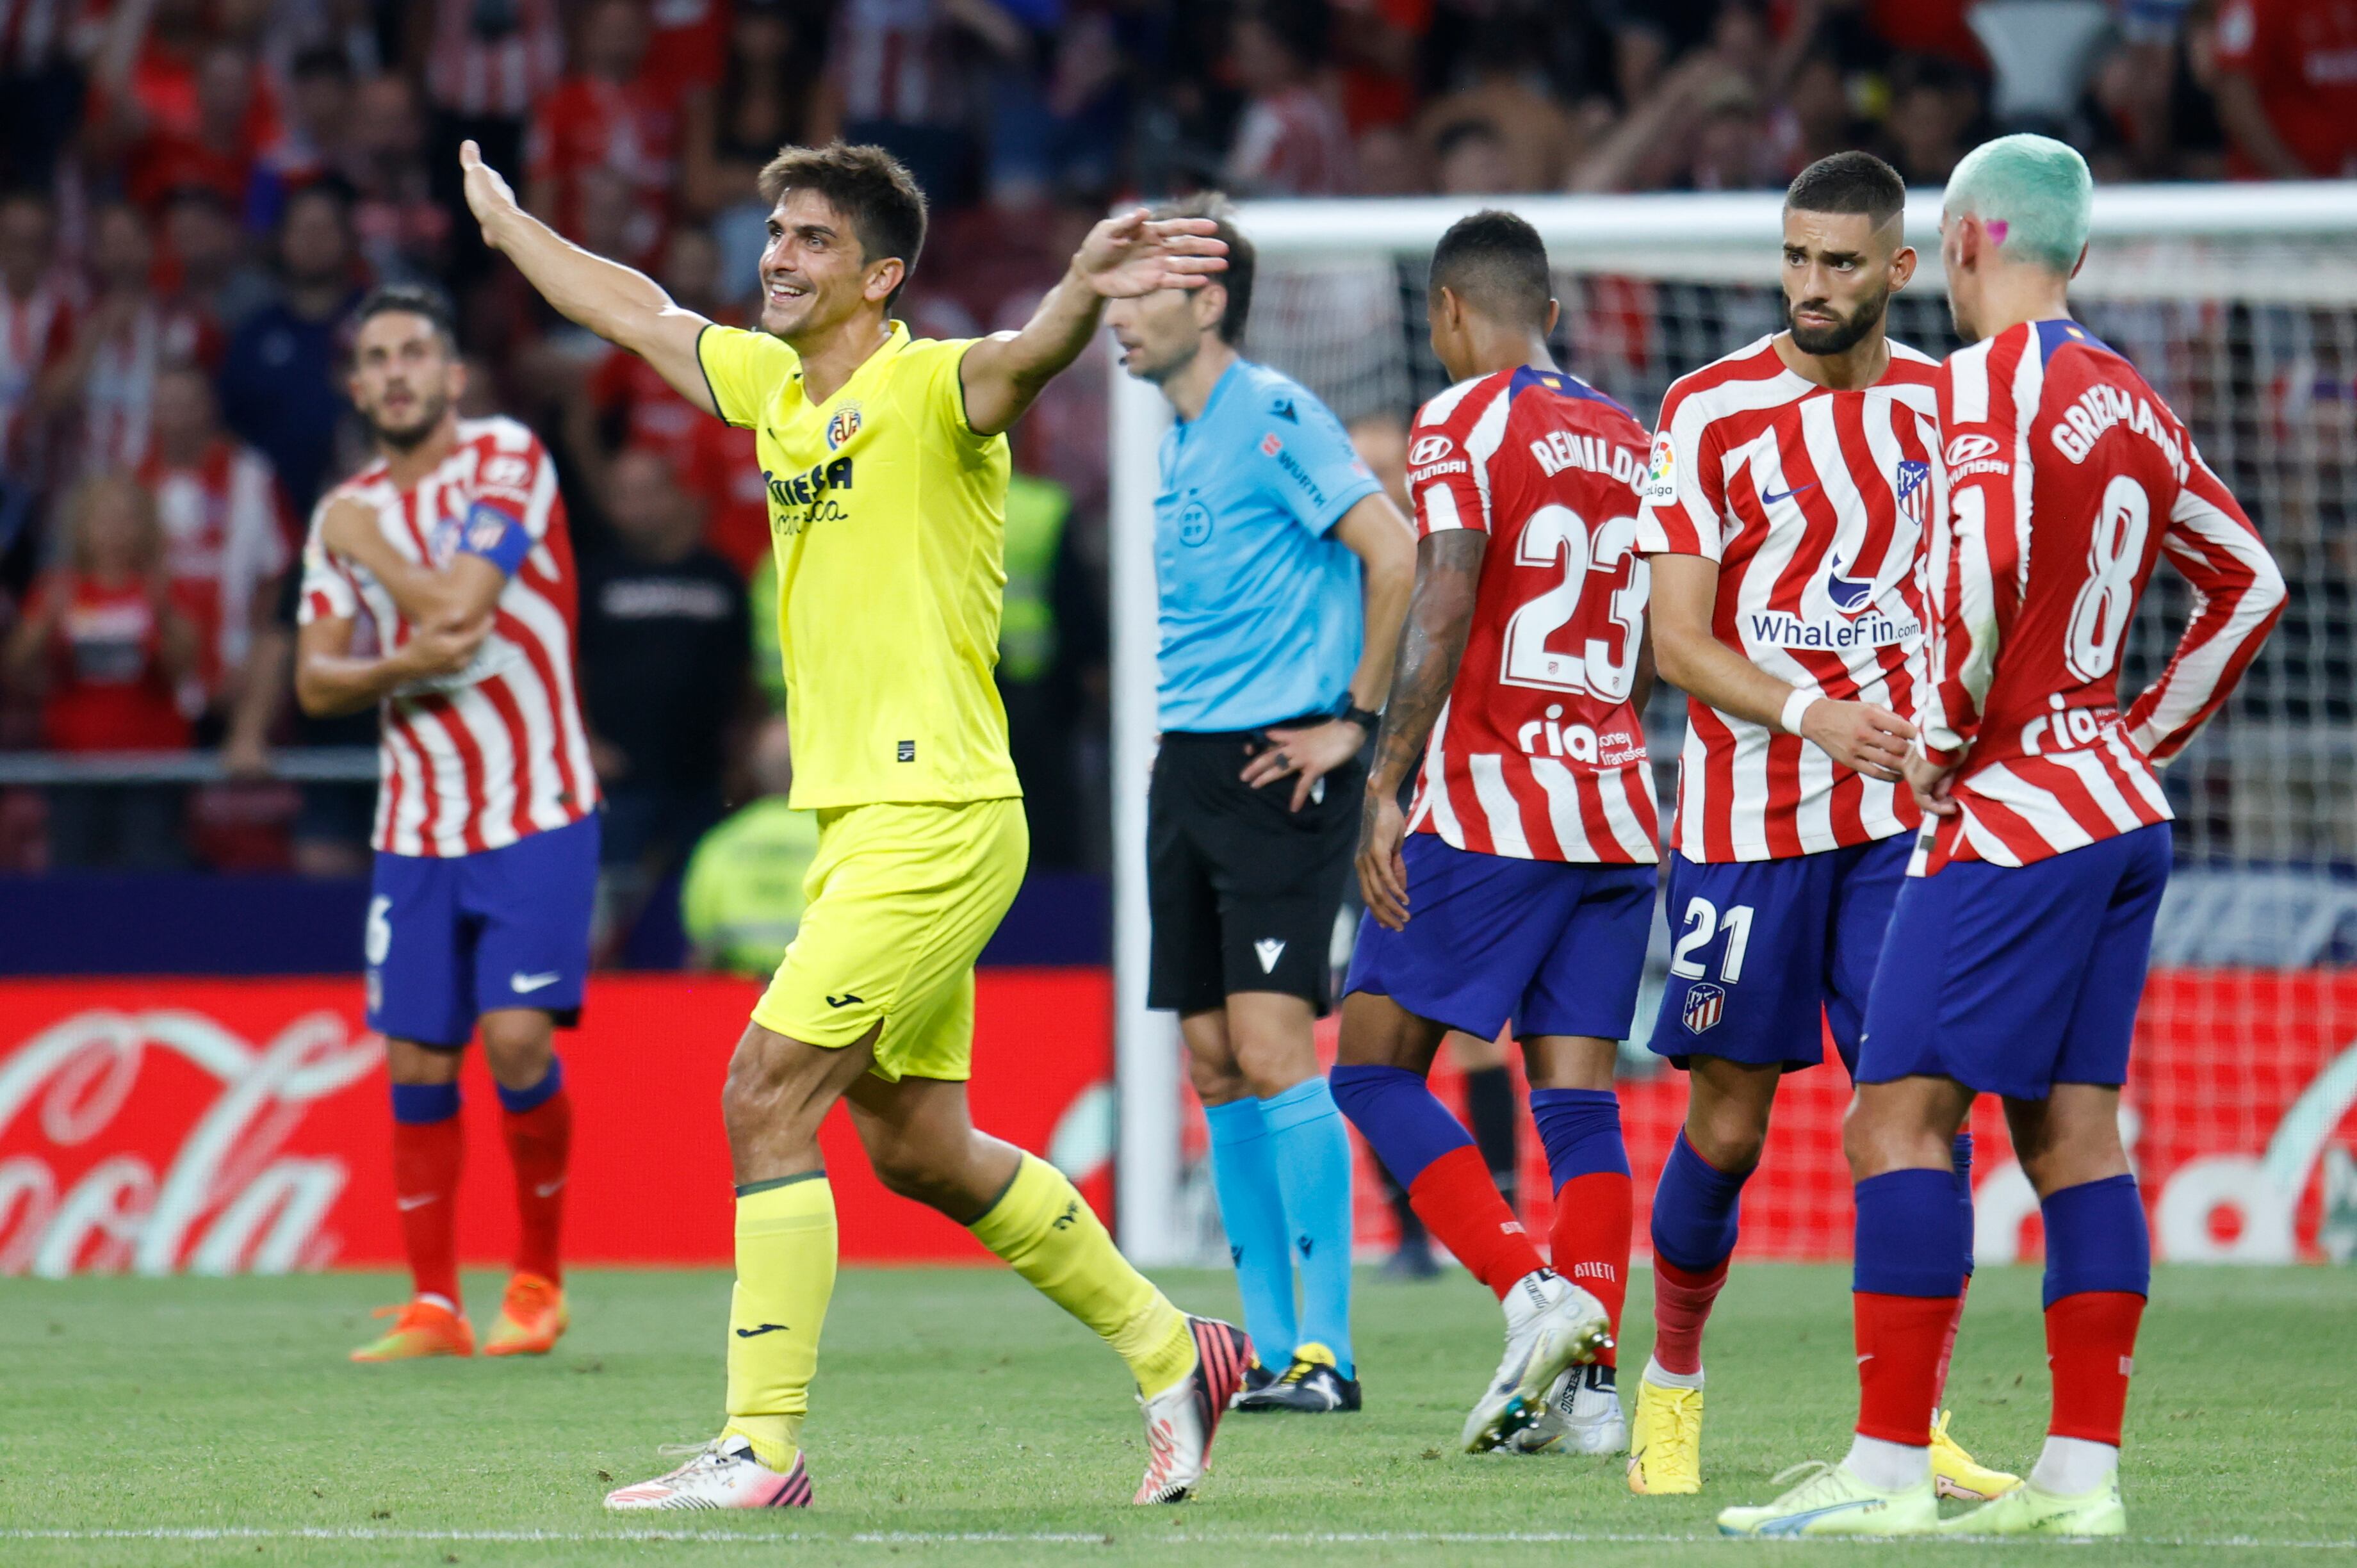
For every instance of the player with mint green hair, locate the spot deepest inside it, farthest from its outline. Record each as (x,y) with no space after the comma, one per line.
(2013,229)
(2020,944)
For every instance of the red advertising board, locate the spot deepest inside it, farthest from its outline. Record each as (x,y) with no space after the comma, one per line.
(223,1125)
(2240,1115)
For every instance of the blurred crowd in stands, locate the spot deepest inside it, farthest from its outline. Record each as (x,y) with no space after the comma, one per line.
(193,194)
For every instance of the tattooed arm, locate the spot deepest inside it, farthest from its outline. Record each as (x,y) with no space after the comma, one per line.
(1431,642)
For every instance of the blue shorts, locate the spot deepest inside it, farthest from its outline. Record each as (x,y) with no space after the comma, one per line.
(2012,979)
(1764,953)
(452,937)
(1552,947)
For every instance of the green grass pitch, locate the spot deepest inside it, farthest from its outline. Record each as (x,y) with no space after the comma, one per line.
(958,1418)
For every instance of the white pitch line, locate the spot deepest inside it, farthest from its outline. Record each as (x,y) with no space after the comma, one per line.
(1034,1538)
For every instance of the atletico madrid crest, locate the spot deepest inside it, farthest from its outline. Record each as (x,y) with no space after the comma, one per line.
(1914,489)
(1706,1004)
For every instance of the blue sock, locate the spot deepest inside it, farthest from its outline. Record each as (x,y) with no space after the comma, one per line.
(418,1104)
(1964,1159)
(2097,1239)
(1313,1170)
(1252,1209)
(1907,1235)
(520,1100)
(1396,1112)
(1581,1129)
(1695,1209)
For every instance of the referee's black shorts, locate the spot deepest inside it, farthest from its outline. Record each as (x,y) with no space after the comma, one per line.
(1243,892)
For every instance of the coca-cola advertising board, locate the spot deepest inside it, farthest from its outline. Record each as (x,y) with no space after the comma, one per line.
(241,1125)
(224,1126)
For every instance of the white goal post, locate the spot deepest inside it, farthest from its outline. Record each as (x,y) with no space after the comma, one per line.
(1339,304)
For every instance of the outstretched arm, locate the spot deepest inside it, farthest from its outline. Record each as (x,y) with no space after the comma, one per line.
(621,305)
(1431,646)
(1121,258)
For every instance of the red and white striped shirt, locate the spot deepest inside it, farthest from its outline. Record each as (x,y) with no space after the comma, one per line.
(1538,754)
(479,759)
(493,74)
(35,336)
(1813,502)
(2065,479)
(225,535)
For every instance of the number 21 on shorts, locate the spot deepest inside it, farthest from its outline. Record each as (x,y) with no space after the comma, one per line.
(1704,920)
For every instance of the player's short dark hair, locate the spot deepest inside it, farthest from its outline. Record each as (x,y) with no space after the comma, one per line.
(1496,262)
(411,299)
(873,190)
(1238,279)
(1848,182)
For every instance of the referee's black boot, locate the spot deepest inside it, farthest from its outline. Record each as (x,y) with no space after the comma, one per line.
(1311,1385)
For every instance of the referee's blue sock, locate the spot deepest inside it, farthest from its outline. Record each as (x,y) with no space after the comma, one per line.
(1251,1209)
(1313,1170)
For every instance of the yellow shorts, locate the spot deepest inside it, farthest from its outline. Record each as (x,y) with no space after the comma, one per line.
(902,898)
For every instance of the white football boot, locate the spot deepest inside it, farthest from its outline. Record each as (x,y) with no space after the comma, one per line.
(1551,1325)
(722,1474)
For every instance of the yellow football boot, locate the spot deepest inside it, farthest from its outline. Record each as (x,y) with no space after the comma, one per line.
(1957,1474)
(531,1319)
(419,1328)
(2026,1510)
(1666,1439)
(1833,1501)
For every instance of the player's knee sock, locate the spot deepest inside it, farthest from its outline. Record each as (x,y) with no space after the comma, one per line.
(1251,1209)
(1962,1156)
(1696,1207)
(2098,1272)
(1489,1108)
(1906,1278)
(785,1272)
(1313,1170)
(1045,1230)
(538,1125)
(1587,1164)
(429,1147)
(1429,1153)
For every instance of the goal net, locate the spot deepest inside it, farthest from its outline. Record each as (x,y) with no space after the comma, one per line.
(2239,305)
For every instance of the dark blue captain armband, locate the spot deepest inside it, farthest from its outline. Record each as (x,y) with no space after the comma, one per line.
(496,536)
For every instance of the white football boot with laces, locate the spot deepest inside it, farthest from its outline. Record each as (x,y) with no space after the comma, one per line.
(1551,1325)
(722,1474)
(1182,1418)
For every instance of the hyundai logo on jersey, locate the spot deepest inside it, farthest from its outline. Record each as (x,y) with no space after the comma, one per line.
(1705,1005)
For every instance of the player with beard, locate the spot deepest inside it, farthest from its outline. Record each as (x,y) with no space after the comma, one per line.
(1783,512)
(438,587)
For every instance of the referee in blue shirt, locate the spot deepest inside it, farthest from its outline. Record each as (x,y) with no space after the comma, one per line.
(1284,571)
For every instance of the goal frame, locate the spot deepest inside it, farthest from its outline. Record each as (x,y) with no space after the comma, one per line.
(1715,237)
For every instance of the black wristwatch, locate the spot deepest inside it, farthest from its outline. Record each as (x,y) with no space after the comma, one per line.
(1367,719)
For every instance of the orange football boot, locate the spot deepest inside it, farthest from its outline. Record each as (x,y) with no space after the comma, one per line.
(419,1328)
(532,1319)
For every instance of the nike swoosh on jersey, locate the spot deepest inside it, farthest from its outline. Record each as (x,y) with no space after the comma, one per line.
(550,1190)
(1769,497)
(524,984)
(406,1204)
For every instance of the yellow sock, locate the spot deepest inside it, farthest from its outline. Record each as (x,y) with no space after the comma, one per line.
(1048,1233)
(785,1272)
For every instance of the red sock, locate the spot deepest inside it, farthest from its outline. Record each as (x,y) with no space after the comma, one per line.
(2090,1349)
(1590,1241)
(540,1143)
(1461,1205)
(1948,1344)
(1897,1356)
(427,1157)
(1681,1301)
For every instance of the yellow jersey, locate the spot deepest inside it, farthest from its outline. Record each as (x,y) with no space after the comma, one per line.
(888,518)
